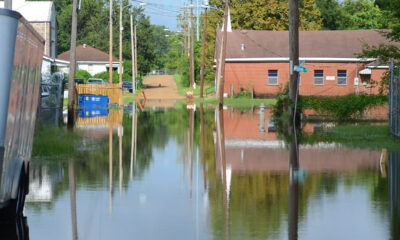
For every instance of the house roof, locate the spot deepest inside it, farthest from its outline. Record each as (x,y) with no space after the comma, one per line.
(313,44)
(34,11)
(87,53)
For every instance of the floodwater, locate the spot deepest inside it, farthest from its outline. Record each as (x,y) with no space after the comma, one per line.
(204,174)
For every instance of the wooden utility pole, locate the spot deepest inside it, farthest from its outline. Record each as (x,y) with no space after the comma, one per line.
(133,57)
(72,195)
(120,43)
(111,43)
(294,60)
(184,30)
(224,41)
(136,71)
(203,57)
(72,65)
(191,46)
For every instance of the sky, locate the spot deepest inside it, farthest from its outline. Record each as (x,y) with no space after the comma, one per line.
(164,12)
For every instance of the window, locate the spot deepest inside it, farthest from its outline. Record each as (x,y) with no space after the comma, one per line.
(341,77)
(272,77)
(318,77)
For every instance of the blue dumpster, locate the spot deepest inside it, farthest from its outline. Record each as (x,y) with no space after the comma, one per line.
(86,100)
(90,112)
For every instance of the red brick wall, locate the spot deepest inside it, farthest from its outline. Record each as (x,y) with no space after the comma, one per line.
(244,75)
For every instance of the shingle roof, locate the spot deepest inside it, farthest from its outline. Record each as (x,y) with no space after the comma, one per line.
(322,44)
(87,53)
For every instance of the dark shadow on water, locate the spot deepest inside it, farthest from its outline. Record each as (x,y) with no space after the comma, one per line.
(16,230)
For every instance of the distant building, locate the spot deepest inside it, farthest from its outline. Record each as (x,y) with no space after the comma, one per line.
(87,58)
(42,16)
(259,61)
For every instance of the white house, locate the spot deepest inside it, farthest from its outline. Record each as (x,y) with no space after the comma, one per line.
(42,16)
(87,58)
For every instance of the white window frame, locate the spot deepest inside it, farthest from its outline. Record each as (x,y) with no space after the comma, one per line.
(273,78)
(341,78)
(319,78)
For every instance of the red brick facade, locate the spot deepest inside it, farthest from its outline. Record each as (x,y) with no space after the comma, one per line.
(248,76)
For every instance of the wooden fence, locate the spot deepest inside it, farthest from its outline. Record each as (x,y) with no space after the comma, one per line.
(113,91)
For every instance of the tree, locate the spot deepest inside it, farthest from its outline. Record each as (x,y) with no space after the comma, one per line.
(256,15)
(361,14)
(331,13)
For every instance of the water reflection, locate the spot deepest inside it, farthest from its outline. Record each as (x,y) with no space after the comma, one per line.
(17,230)
(212,174)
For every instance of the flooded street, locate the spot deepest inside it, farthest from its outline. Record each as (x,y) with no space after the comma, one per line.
(185,174)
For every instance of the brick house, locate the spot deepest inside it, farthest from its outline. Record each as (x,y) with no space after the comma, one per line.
(87,58)
(42,16)
(259,61)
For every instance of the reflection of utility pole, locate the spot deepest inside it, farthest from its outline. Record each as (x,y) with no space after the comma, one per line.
(293,194)
(110,167)
(203,56)
(72,193)
(203,151)
(191,123)
(224,41)
(133,148)
(120,131)
(221,144)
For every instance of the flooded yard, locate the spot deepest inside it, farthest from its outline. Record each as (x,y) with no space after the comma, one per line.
(204,174)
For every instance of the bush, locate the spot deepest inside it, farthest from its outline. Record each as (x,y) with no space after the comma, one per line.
(342,107)
(243,94)
(83,74)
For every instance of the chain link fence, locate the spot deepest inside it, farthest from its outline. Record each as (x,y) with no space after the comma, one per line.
(51,98)
(394,99)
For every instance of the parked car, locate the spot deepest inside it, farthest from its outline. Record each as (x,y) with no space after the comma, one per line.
(79,80)
(127,85)
(95,81)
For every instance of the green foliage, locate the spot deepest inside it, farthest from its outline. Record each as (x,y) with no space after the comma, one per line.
(361,136)
(342,107)
(256,15)
(83,74)
(243,94)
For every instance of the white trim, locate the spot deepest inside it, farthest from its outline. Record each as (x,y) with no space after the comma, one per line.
(307,59)
(378,67)
(97,62)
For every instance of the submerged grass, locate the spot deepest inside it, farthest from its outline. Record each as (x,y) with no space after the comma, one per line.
(356,136)
(53,141)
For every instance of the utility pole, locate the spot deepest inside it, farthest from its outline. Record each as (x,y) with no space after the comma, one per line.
(204,51)
(120,43)
(184,30)
(72,65)
(224,41)
(197,20)
(294,61)
(136,71)
(191,46)
(133,58)
(111,43)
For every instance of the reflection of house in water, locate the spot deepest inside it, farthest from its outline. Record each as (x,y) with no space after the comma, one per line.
(250,149)
(42,183)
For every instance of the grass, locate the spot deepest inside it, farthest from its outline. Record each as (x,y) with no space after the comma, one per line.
(182,89)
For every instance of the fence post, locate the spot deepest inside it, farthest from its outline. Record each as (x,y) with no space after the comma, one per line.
(231,90)
(391,96)
(252,91)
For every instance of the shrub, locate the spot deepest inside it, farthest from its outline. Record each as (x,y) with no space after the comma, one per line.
(83,74)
